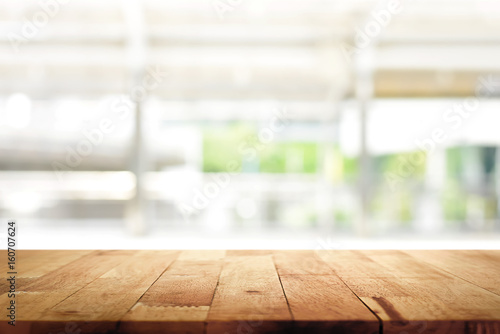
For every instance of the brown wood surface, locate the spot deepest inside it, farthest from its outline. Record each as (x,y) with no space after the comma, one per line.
(412,296)
(327,291)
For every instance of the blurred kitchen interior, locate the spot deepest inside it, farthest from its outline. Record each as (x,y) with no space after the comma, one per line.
(250,124)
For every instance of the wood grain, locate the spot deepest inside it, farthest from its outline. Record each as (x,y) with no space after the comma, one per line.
(106,299)
(249,294)
(178,302)
(411,296)
(37,297)
(318,303)
(317,296)
(300,262)
(255,291)
(35,263)
(480,268)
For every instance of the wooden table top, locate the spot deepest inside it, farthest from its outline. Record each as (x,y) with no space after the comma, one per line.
(238,291)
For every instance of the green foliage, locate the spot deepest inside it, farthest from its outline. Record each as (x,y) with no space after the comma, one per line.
(343,218)
(454,202)
(350,168)
(220,145)
(405,211)
(273,158)
(454,168)
(407,166)
(240,142)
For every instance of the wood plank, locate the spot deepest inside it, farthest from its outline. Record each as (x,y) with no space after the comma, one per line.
(32,264)
(400,264)
(35,263)
(25,254)
(348,263)
(20,283)
(479,267)
(248,252)
(443,305)
(412,296)
(34,298)
(29,308)
(80,272)
(376,263)
(254,292)
(249,296)
(202,255)
(187,283)
(318,297)
(105,300)
(324,304)
(300,262)
(178,302)
(164,319)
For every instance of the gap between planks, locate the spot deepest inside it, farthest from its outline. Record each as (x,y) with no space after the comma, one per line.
(118,323)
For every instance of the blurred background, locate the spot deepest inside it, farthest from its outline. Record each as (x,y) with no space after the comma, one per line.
(250,123)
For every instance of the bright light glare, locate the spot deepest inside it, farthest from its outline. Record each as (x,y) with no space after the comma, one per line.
(18,111)
(23,202)
(247,208)
(69,116)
